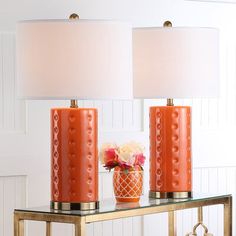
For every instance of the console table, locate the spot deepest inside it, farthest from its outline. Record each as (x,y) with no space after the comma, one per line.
(110,210)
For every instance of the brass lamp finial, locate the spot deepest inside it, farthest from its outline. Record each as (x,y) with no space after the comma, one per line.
(74,16)
(167,24)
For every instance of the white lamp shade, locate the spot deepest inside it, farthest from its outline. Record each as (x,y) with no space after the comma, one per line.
(175,62)
(74,59)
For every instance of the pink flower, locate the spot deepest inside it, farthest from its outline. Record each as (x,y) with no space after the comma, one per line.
(139,159)
(107,152)
(110,156)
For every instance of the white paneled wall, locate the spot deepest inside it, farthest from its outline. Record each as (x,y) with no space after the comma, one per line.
(12,195)
(12,111)
(118,116)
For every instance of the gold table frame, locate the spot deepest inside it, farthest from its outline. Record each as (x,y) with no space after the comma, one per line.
(80,221)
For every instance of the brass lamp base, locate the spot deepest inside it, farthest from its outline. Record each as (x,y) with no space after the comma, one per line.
(175,195)
(68,206)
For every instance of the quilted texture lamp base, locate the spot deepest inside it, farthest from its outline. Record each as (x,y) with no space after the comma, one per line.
(170,152)
(74,159)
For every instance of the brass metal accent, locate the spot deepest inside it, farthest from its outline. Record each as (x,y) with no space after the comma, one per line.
(48,229)
(80,228)
(172,223)
(170,102)
(74,16)
(68,206)
(175,195)
(21,216)
(228,215)
(81,220)
(73,103)
(167,24)
(200,215)
(18,226)
(200,223)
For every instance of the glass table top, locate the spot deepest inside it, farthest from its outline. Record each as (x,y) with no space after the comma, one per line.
(110,205)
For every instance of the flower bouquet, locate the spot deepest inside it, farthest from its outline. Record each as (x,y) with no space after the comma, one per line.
(127,161)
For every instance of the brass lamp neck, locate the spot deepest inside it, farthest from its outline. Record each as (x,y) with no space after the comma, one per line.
(73,103)
(170,102)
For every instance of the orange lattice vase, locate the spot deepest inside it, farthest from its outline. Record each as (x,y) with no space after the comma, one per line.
(128,185)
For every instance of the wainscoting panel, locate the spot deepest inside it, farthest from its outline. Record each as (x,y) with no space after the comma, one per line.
(12,195)
(12,111)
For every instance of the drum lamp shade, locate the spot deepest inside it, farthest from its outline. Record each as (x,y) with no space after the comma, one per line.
(175,62)
(74,59)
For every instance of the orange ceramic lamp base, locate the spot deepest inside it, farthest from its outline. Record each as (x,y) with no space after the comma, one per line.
(170,152)
(74,160)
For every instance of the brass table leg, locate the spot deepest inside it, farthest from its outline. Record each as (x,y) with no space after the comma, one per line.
(21,228)
(48,228)
(18,226)
(80,227)
(228,217)
(171,223)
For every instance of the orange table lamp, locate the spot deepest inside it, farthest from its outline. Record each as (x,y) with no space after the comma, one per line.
(74,59)
(171,62)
